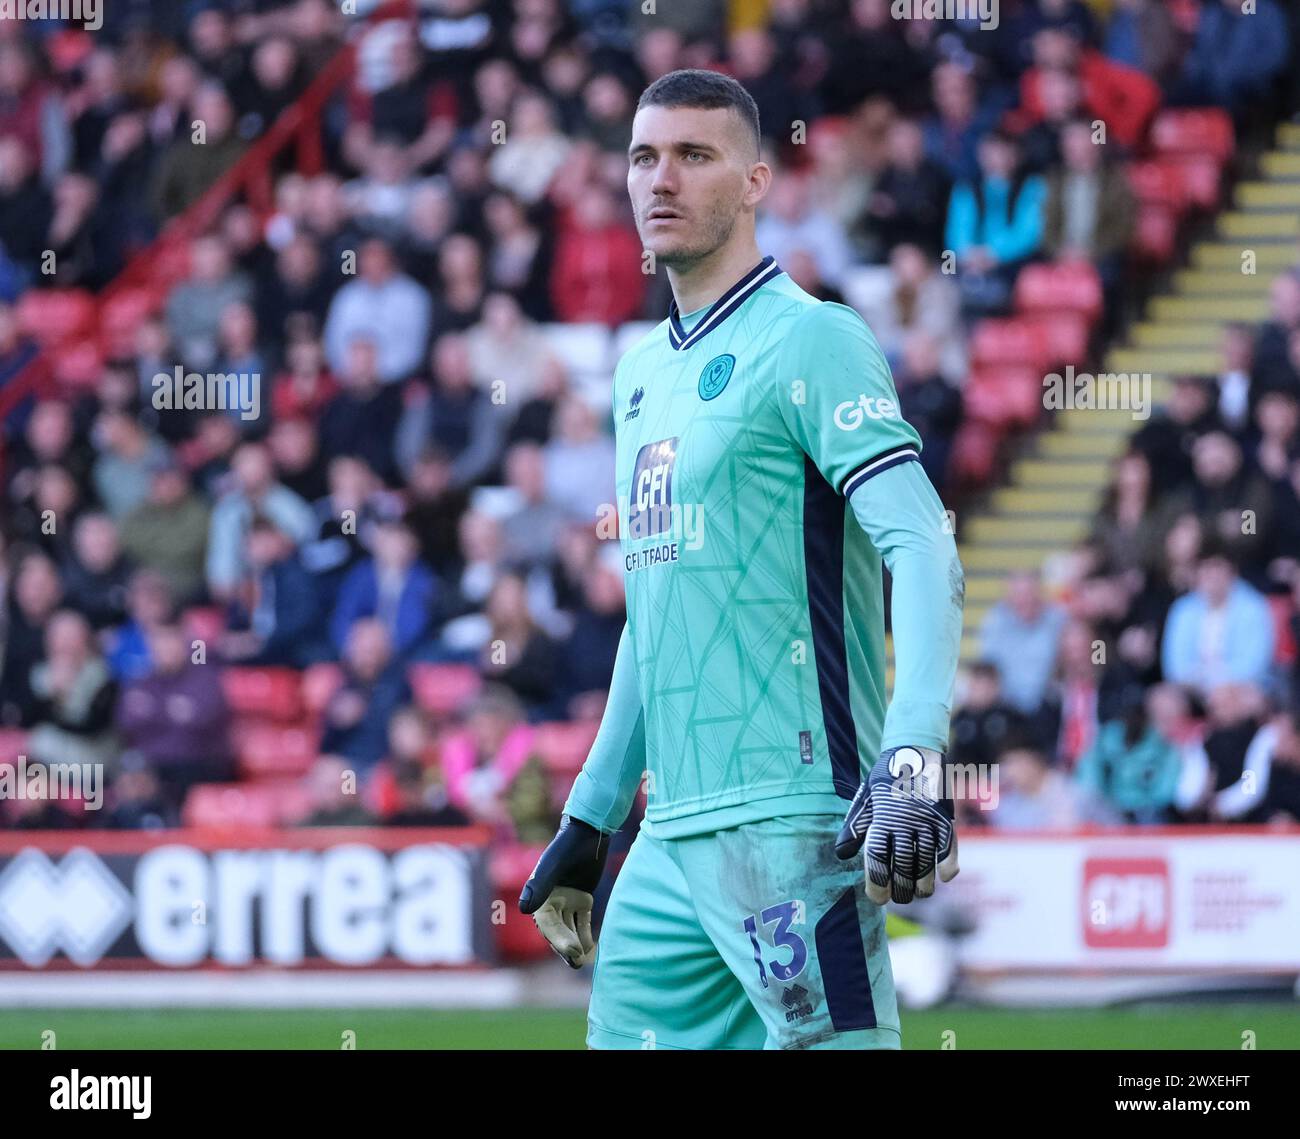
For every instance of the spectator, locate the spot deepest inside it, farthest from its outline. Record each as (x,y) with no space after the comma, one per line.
(532,528)
(931,404)
(1091,209)
(168,532)
(910,199)
(128,455)
(96,575)
(201,153)
(393,587)
(596,275)
(1131,766)
(1124,98)
(995,224)
(1236,57)
(492,773)
(195,306)
(362,419)
(254,490)
(1020,635)
(384,305)
(452,415)
(984,723)
(275,614)
(335,802)
(1033,795)
(579,461)
(174,718)
(1221,632)
(508,353)
(517,653)
(791,221)
(1168,438)
(36,595)
(533,151)
(1142,34)
(74,696)
(356,717)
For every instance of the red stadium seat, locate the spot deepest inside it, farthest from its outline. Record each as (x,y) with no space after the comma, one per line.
(563,746)
(1159,182)
(1013,341)
(271,751)
(275,693)
(279,802)
(1202,179)
(54,315)
(1155,237)
(13,743)
(319,683)
(1203,131)
(443,689)
(78,365)
(228,806)
(1066,336)
(517,939)
(974,457)
(121,315)
(1004,398)
(1066,286)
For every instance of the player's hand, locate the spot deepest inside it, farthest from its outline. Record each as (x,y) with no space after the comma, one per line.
(903,812)
(559,893)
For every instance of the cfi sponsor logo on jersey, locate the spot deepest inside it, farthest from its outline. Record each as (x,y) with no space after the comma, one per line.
(634,404)
(715,375)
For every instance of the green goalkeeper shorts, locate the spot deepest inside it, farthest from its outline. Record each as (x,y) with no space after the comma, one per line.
(752,937)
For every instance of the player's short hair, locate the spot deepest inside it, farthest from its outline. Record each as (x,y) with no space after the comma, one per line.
(709,90)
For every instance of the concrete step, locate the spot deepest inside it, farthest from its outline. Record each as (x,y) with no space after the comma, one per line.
(1209,309)
(1264,225)
(1269,258)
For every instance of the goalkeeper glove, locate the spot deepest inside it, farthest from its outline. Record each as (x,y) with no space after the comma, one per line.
(559,892)
(903,812)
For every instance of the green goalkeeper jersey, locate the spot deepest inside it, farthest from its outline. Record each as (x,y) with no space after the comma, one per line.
(750,682)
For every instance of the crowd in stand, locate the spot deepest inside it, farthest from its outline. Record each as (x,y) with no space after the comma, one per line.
(1154,678)
(424,478)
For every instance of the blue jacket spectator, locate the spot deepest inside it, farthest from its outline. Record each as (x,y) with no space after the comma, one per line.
(1236,56)
(1221,632)
(393,587)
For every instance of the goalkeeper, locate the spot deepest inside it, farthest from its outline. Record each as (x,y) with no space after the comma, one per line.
(764,471)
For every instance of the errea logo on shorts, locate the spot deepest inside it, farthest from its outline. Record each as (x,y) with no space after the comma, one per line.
(851,414)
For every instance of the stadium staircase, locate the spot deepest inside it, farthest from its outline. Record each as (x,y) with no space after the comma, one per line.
(1054,486)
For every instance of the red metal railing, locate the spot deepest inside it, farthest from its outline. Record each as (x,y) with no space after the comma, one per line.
(157,264)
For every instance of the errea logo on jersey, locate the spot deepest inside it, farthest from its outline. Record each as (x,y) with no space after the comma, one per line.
(851,414)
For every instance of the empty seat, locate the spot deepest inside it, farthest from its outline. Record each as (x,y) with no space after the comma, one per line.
(54,315)
(1004,397)
(224,806)
(1013,341)
(1155,235)
(121,314)
(275,693)
(268,751)
(1195,130)
(563,746)
(1065,335)
(444,688)
(1067,286)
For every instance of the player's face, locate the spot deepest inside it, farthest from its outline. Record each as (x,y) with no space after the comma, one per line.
(691,175)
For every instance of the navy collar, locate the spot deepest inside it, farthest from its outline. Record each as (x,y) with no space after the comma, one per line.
(723,307)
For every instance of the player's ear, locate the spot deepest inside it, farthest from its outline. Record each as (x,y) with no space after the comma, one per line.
(760,181)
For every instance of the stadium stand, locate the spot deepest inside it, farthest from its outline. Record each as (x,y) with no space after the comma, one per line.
(390,570)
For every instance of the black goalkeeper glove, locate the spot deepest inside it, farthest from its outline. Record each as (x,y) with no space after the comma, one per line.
(559,893)
(903,812)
